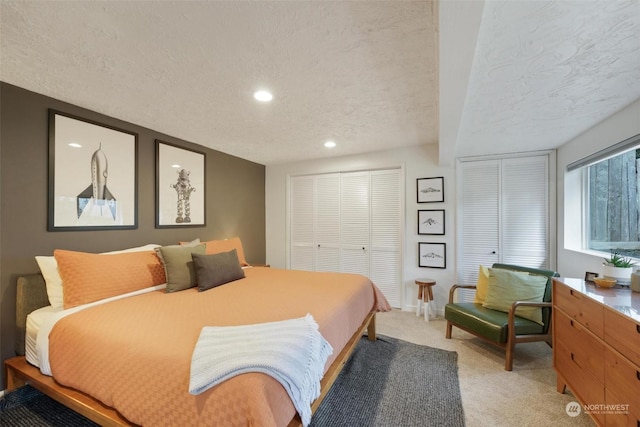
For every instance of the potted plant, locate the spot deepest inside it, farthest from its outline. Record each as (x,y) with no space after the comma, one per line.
(618,267)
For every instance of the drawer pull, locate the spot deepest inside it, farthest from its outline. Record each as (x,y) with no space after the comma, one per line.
(638,329)
(571,323)
(638,375)
(573,359)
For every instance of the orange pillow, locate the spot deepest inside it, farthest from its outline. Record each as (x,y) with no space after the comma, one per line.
(91,277)
(218,246)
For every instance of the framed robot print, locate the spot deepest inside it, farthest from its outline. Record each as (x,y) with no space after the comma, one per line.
(180,186)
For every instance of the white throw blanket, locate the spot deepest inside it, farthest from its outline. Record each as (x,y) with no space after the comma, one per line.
(291,351)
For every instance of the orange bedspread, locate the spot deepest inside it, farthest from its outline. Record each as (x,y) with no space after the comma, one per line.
(134,354)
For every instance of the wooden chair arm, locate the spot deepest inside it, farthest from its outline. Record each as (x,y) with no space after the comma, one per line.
(454,287)
(512,310)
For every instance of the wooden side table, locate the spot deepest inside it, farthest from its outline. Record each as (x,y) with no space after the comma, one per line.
(425,297)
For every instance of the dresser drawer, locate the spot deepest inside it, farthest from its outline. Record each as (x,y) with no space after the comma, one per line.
(616,415)
(579,307)
(622,379)
(585,350)
(581,382)
(623,334)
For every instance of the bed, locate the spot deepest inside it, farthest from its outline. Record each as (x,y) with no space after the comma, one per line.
(141,377)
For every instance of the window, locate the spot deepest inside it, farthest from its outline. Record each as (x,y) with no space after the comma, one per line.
(613,207)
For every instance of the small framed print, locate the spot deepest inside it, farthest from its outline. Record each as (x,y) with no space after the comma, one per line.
(431,222)
(432,255)
(180,186)
(430,190)
(589,276)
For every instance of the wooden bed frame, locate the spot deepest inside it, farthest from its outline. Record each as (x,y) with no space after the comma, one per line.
(18,372)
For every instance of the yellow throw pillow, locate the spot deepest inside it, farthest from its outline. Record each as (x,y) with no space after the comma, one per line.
(506,287)
(482,285)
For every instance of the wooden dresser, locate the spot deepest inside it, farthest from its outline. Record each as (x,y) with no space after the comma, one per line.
(596,349)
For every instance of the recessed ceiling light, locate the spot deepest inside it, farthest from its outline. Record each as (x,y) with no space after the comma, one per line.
(75,145)
(263,96)
(329,144)
(175,166)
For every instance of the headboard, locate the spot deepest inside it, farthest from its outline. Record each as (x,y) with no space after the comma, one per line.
(31,294)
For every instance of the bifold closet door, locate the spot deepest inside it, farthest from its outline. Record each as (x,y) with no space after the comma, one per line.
(386,234)
(349,222)
(480,219)
(301,223)
(327,222)
(354,223)
(505,216)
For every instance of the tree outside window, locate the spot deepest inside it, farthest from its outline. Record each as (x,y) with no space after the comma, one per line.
(614,204)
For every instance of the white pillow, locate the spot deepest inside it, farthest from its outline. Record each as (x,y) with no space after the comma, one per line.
(49,269)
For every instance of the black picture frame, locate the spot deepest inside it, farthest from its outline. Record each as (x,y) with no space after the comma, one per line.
(92,175)
(432,255)
(430,190)
(589,276)
(180,186)
(431,222)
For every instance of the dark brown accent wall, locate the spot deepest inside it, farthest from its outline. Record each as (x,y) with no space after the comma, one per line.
(235,198)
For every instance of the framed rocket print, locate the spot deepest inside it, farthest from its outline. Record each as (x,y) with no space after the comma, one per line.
(92,175)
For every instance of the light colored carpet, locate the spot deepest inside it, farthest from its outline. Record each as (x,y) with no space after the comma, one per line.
(492,396)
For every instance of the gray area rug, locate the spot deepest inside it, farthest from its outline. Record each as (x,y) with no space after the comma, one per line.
(27,407)
(385,383)
(391,382)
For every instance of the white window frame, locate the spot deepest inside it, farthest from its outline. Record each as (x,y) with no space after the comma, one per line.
(576,233)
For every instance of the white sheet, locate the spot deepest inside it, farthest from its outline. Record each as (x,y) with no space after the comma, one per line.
(35,319)
(42,340)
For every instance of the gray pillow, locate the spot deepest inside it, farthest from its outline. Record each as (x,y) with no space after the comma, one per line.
(217,269)
(178,265)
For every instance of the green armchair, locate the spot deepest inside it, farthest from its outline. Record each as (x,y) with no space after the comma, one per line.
(502,329)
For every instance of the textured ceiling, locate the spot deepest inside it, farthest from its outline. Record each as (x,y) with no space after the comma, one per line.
(546,71)
(362,73)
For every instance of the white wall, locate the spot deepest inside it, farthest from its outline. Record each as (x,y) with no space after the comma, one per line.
(418,162)
(625,124)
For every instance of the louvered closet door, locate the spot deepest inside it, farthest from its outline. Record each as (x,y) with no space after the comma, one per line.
(301,223)
(386,223)
(504,214)
(354,201)
(327,222)
(480,186)
(525,211)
